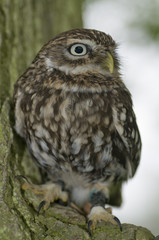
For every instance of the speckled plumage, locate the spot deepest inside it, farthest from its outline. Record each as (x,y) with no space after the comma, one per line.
(76,114)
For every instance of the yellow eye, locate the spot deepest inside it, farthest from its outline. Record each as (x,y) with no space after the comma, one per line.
(78,49)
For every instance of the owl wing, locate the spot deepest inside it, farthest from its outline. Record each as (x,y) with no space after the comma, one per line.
(125,124)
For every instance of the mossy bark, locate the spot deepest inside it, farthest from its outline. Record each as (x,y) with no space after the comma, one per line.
(25,25)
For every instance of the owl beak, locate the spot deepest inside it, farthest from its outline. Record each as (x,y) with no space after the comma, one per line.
(109,63)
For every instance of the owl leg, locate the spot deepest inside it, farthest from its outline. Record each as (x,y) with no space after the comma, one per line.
(99,212)
(50,191)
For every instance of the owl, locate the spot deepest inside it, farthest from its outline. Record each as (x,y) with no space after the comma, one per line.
(76,116)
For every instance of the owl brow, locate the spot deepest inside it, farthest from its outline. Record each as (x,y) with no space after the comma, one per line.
(87,46)
(86,42)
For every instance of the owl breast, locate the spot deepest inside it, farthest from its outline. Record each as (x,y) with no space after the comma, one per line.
(71,130)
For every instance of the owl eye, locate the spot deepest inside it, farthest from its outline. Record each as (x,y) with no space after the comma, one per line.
(78,49)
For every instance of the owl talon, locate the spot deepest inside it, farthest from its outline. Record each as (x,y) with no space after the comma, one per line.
(89,227)
(51,192)
(41,205)
(99,213)
(119,223)
(22,177)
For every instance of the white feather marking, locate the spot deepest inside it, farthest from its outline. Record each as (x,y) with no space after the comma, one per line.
(119,127)
(43,145)
(49,64)
(106,155)
(136,137)
(97,141)
(76,146)
(129,168)
(41,132)
(19,124)
(122,116)
(83,69)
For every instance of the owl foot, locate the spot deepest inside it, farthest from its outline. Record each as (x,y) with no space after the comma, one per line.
(51,192)
(99,213)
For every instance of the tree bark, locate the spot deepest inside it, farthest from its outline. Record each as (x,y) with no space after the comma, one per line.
(25,25)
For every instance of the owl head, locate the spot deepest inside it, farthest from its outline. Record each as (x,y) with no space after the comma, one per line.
(81,50)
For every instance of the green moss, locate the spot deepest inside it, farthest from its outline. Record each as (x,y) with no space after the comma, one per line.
(11,224)
(143,233)
(66,215)
(64,231)
(109,232)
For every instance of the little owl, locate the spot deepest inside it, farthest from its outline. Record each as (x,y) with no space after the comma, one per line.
(75,114)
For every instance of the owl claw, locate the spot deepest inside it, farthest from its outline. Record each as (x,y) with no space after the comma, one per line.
(51,192)
(89,227)
(22,177)
(119,223)
(99,213)
(41,205)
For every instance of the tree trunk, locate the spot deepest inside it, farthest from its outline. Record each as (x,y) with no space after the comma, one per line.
(25,25)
